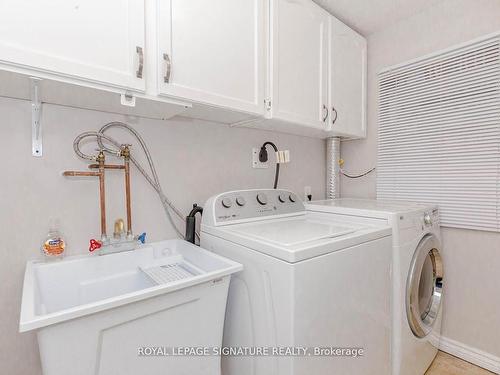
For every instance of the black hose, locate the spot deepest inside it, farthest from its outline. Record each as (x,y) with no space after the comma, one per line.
(357,176)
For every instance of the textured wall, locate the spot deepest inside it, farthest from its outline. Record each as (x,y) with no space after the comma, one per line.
(194,160)
(472,258)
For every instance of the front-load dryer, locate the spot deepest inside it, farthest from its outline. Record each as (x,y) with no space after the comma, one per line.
(311,284)
(418,275)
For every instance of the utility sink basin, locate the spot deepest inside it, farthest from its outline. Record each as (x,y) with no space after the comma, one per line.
(168,294)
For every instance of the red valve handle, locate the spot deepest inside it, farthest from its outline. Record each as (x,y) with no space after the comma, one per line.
(94,245)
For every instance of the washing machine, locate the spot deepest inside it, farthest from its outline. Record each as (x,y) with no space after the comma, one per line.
(418,275)
(314,294)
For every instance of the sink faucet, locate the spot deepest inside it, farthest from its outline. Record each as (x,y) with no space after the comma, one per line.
(118,242)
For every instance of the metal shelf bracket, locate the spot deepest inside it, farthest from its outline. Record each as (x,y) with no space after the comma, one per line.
(36,112)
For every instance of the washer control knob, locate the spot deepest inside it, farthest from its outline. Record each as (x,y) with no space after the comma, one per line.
(292,198)
(262,199)
(227,202)
(427,219)
(240,201)
(282,198)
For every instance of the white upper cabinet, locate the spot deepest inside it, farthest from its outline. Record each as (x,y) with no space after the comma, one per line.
(285,65)
(347,81)
(298,63)
(213,52)
(91,40)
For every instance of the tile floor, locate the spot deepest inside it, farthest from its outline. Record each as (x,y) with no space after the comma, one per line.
(446,364)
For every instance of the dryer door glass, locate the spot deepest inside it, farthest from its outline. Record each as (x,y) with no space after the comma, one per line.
(424,286)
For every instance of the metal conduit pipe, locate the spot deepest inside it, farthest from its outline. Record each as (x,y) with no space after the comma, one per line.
(332,168)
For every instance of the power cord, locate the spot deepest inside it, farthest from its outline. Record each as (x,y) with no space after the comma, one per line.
(263,157)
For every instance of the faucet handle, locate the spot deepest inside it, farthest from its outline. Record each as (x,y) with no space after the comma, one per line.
(94,245)
(142,238)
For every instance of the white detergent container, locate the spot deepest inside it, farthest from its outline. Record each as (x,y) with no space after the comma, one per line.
(101,314)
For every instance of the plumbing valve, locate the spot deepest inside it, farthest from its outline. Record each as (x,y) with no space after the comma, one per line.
(142,238)
(94,245)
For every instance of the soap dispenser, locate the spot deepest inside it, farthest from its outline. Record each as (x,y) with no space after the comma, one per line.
(54,245)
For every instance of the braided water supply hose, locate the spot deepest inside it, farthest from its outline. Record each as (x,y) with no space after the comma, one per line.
(113,147)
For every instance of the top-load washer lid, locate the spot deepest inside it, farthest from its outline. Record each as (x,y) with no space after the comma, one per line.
(377,208)
(299,237)
(293,231)
(274,222)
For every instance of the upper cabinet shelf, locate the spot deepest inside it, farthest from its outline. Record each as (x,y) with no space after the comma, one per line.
(285,65)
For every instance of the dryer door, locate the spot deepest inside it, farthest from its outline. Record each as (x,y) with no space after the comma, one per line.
(424,286)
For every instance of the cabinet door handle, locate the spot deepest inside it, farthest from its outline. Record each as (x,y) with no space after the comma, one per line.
(325,111)
(166,78)
(336,115)
(140,52)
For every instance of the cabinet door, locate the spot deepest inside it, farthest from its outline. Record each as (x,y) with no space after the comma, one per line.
(299,58)
(94,40)
(213,52)
(347,78)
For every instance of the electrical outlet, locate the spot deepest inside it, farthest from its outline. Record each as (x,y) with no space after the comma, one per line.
(256,163)
(307,193)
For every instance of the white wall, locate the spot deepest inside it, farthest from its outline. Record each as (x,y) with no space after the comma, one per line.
(472,258)
(194,160)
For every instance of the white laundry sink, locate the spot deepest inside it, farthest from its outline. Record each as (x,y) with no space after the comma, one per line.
(92,313)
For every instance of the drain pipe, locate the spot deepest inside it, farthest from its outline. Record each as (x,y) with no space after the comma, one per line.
(332,168)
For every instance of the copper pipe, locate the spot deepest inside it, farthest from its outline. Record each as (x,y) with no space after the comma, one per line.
(126,163)
(102,199)
(125,153)
(106,166)
(78,174)
(102,194)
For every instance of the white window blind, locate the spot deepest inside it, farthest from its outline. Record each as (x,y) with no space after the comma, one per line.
(439,134)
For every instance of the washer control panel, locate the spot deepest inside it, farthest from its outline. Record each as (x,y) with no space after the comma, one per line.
(248,204)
